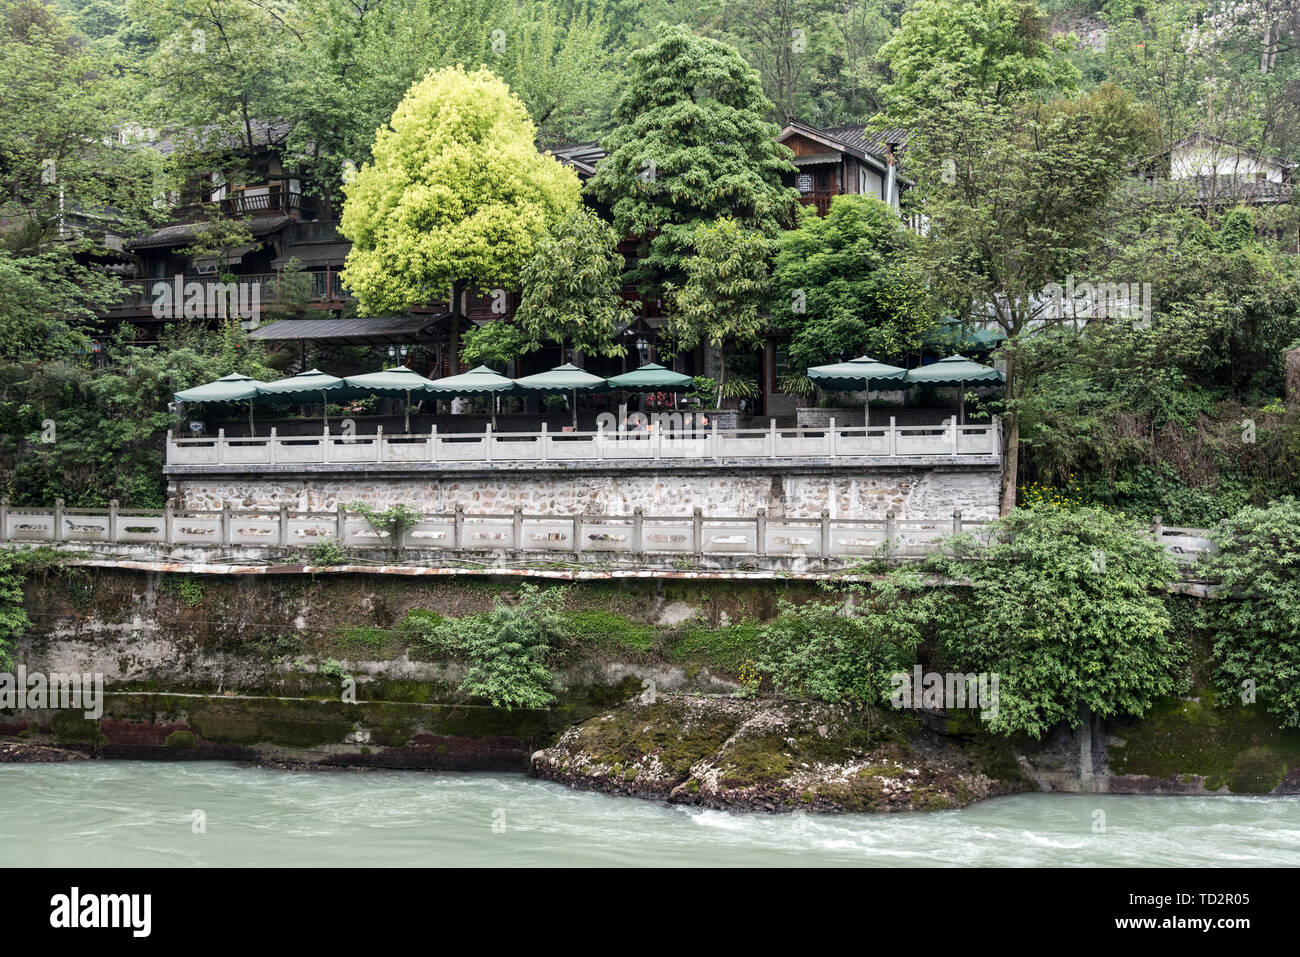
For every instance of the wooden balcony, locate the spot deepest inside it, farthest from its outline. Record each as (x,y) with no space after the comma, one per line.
(819,201)
(138,294)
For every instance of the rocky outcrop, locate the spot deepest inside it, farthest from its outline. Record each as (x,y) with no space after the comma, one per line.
(776,755)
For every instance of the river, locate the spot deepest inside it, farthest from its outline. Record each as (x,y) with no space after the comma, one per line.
(135,813)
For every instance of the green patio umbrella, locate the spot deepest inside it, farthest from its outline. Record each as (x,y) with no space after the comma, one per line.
(857,374)
(954,370)
(396,381)
(952,334)
(651,377)
(231,388)
(312,380)
(477,381)
(567,379)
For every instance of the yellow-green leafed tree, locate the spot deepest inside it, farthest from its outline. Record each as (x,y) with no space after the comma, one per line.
(456,195)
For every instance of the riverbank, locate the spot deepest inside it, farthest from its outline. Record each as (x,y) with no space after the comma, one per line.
(338,673)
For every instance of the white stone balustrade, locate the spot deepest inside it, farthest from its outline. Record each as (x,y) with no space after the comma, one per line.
(881,445)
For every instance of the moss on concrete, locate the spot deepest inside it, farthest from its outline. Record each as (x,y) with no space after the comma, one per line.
(1229,745)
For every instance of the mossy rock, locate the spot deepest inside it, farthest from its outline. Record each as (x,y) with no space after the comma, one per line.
(1257,771)
(183,740)
(72,727)
(271,721)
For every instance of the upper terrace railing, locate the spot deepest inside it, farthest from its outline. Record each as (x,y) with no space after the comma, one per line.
(888,444)
(138,294)
(612,536)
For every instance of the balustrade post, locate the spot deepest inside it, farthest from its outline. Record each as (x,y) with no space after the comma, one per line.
(889,528)
(715,439)
(771,438)
(284,525)
(519,530)
(487,443)
(658,438)
(458,536)
(893,437)
(271,446)
(1158,529)
(325,445)
(543,440)
(433,443)
(600,441)
(58,519)
(760,532)
(226,533)
(637,518)
(4,519)
(826,533)
(577,535)
(697,529)
(221,446)
(956,522)
(832,438)
(379,443)
(112,521)
(340,525)
(954,435)
(169,522)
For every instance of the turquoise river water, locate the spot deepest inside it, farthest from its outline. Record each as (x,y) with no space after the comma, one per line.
(129,813)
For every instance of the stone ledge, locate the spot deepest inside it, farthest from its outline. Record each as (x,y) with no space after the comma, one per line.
(836,465)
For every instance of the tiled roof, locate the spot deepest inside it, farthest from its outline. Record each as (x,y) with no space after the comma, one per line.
(185,232)
(856,135)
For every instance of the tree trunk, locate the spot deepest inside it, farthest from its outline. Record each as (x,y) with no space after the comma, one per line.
(457,311)
(1011,441)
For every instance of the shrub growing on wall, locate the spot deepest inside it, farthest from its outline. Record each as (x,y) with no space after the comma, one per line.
(1067,607)
(1256,619)
(509,650)
(845,651)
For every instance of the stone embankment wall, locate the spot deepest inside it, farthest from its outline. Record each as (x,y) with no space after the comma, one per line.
(251,668)
(920,493)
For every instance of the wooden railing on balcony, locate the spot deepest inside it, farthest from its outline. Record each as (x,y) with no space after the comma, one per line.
(819,201)
(247,201)
(138,297)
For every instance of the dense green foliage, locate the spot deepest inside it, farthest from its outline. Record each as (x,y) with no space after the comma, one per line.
(457,193)
(572,290)
(846,650)
(693,144)
(107,416)
(1256,621)
(844,285)
(13,620)
(509,650)
(1067,606)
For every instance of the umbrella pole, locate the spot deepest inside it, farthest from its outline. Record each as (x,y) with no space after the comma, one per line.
(251,433)
(866,416)
(961,403)
(408,411)
(324,412)
(573,404)
(492,397)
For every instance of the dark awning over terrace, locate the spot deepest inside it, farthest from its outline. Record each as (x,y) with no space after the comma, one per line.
(396,330)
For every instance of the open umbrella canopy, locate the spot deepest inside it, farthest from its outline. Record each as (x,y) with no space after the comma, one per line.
(397,381)
(231,388)
(651,377)
(954,370)
(563,379)
(854,376)
(478,381)
(952,334)
(311,381)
